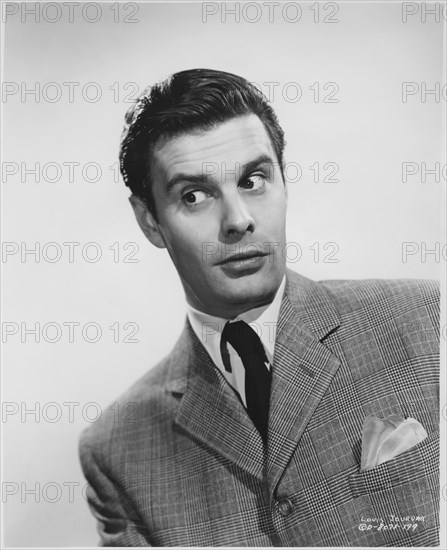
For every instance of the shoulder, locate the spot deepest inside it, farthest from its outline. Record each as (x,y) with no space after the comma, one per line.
(409,306)
(405,293)
(371,296)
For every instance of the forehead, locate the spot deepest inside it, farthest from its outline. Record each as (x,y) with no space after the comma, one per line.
(238,140)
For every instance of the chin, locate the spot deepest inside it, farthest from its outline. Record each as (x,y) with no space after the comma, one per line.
(252,290)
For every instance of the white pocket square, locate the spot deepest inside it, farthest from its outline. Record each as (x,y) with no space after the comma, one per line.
(384,439)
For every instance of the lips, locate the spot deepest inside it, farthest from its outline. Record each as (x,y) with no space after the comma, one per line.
(241,256)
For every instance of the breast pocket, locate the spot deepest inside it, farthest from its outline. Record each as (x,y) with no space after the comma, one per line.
(419,462)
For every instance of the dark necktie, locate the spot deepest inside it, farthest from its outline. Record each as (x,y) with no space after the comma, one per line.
(257,376)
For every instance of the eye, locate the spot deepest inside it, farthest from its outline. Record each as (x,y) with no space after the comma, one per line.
(254,183)
(193,198)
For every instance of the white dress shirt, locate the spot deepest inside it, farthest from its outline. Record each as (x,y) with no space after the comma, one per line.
(262,320)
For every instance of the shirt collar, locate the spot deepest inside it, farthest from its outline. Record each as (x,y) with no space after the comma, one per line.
(263,321)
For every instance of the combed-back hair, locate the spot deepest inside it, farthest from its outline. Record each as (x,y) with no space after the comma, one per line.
(187,101)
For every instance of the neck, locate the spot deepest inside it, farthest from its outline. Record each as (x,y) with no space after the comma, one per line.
(229,311)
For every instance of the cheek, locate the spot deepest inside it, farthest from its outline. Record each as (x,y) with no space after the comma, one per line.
(275,219)
(185,244)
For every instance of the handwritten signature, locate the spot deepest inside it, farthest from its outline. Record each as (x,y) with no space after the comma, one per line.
(392,523)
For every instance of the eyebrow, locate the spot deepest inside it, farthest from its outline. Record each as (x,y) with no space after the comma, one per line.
(245,171)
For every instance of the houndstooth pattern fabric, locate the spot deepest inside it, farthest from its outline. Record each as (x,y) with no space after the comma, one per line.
(186,466)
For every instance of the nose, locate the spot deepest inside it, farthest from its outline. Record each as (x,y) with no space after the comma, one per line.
(236,219)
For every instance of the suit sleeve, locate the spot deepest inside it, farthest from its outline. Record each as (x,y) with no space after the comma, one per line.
(117,525)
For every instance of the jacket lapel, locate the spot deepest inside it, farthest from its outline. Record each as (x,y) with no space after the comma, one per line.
(210,411)
(303,368)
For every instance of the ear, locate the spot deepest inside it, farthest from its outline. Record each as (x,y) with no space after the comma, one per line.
(148,224)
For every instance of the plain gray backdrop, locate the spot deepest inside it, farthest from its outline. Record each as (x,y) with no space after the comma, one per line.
(350,83)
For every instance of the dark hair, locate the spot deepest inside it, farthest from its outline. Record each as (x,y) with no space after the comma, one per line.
(197,99)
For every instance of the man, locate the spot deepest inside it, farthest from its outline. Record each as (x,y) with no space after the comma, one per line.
(253,430)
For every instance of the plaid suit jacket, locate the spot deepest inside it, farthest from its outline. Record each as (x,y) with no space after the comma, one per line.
(183,465)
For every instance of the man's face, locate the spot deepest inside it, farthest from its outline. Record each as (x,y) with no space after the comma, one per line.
(220,193)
